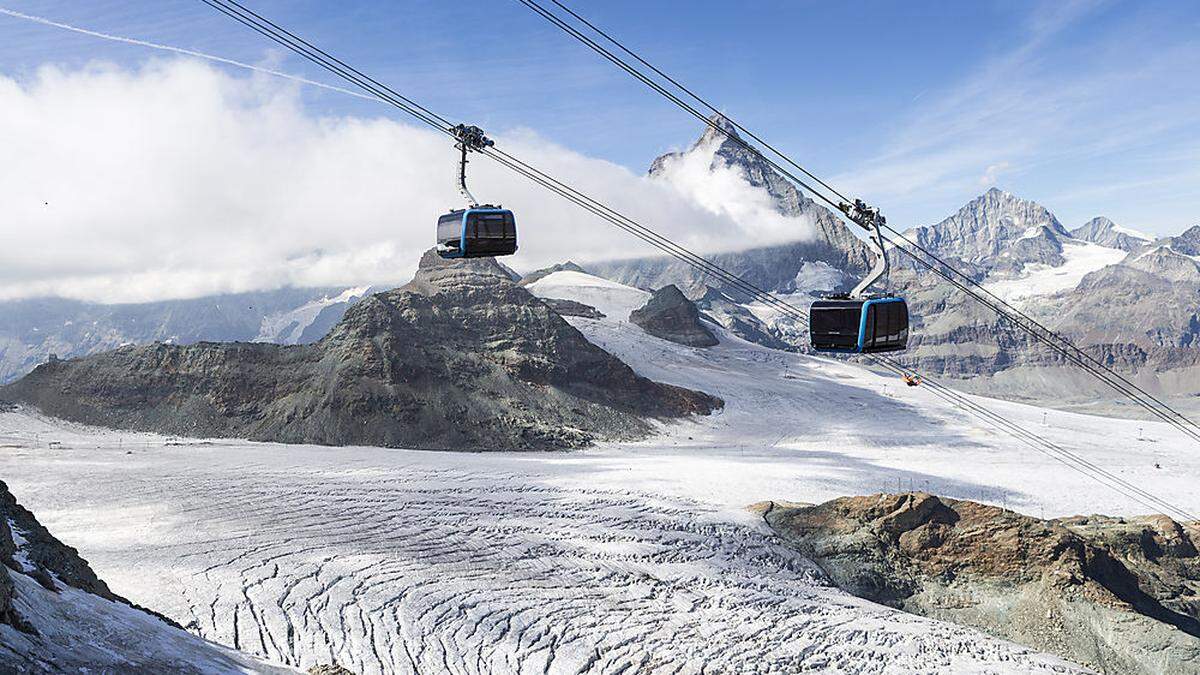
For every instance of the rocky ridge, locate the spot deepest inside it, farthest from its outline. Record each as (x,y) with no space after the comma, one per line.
(1119,595)
(32,329)
(1102,231)
(461,358)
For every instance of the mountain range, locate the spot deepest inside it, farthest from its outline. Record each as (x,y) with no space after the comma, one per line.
(1126,298)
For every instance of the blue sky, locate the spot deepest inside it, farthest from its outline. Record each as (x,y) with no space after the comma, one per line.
(1086,107)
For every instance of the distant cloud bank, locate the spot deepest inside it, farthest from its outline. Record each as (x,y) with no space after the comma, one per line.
(178,179)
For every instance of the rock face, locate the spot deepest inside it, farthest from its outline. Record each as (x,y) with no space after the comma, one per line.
(460,358)
(772,268)
(40,553)
(1101,230)
(997,229)
(1187,243)
(671,316)
(1117,595)
(566,307)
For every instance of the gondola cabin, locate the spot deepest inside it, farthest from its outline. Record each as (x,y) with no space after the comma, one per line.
(861,326)
(477,232)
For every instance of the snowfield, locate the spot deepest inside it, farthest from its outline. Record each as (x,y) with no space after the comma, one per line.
(1039,280)
(635,557)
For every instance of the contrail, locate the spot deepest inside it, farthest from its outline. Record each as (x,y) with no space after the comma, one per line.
(185,52)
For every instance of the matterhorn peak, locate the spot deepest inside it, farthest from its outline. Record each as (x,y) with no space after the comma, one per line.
(719,123)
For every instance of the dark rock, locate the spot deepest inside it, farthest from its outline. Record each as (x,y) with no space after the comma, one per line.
(329,669)
(46,552)
(671,316)
(572,308)
(459,358)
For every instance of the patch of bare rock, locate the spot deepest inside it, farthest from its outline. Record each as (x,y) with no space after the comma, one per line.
(669,315)
(1119,595)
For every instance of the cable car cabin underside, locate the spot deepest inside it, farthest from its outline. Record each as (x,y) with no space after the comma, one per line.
(859,325)
(477,232)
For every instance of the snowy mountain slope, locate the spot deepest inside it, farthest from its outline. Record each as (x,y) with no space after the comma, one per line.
(296,326)
(627,556)
(1038,280)
(1101,230)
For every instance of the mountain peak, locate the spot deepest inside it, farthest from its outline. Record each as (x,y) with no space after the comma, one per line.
(719,127)
(997,228)
(1187,243)
(1102,231)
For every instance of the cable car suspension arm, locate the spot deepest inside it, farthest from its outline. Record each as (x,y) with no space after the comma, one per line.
(470,138)
(870,219)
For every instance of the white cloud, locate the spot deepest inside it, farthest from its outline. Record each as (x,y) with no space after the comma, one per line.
(991,173)
(704,178)
(179,180)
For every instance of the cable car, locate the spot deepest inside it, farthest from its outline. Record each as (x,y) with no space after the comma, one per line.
(477,232)
(480,230)
(858,325)
(861,323)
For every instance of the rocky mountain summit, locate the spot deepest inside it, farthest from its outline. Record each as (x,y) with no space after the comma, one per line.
(461,358)
(671,316)
(535,275)
(1187,243)
(769,267)
(1102,231)
(997,229)
(1118,595)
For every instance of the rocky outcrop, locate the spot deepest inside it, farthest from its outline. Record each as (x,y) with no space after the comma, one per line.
(41,554)
(460,358)
(572,308)
(671,316)
(1117,595)
(57,616)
